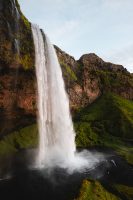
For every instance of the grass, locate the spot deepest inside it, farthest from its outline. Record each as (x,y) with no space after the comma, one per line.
(68,71)
(125,191)
(22,139)
(113,80)
(107,122)
(93,190)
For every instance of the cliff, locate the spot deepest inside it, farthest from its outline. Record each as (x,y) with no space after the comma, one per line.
(100,95)
(17,74)
(89,77)
(96,88)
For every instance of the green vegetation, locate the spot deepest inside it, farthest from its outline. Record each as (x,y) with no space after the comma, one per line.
(125,191)
(9,32)
(107,122)
(26,61)
(112,79)
(22,139)
(69,73)
(26,44)
(85,135)
(93,190)
(26,22)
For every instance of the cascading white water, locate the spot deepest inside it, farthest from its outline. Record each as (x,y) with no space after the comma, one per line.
(57,136)
(15,9)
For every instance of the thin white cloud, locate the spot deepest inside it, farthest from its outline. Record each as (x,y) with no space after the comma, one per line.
(116,4)
(66,28)
(123,57)
(100,26)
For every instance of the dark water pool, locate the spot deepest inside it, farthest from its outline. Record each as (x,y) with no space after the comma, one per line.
(58,184)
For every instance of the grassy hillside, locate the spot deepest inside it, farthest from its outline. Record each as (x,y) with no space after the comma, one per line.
(107,122)
(23,139)
(93,190)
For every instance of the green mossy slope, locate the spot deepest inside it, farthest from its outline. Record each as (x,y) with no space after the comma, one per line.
(107,122)
(15,31)
(125,191)
(23,139)
(93,190)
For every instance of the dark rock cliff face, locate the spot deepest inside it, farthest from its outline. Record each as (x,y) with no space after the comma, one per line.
(90,77)
(110,77)
(17,74)
(85,79)
(81,88)
(16,44)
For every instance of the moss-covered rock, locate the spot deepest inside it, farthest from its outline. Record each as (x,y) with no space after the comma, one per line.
(16,43)
(107,122)
(68,72)
(22,139)
(17,72)
(93,190)
(110,77)
(125,191)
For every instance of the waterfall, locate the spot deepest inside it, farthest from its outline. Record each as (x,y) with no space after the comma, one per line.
(15,9)
(17,15)
(57,136)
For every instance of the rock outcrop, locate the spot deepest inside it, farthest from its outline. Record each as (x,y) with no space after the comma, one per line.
(17,73)
(100,95)
(110,77)
(89,77)
(85,79)
(81,88)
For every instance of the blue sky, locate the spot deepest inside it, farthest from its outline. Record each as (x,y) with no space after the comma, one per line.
(104,27)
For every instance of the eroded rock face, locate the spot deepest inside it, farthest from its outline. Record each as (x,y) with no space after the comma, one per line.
(16,43)
(93,77)
(103,76)
(85,79)
(93,62)
(17,100)
(81,88)
(17,74)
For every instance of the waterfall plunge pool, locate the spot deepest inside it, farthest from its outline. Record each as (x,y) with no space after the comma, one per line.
(23,182)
